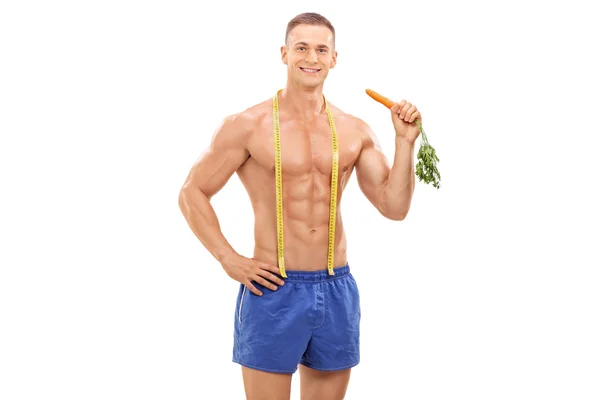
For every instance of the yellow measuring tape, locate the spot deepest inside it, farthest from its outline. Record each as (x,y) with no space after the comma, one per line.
(279,188)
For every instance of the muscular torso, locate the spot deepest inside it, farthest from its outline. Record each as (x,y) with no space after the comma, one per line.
(306,160)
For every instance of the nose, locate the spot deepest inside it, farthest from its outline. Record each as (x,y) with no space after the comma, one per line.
(311,56)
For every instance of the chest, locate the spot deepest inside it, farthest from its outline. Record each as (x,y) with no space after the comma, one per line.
(306,147)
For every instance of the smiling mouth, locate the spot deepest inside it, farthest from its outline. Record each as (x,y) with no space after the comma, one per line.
(310,70)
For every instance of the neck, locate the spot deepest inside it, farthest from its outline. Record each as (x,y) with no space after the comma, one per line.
(306,102)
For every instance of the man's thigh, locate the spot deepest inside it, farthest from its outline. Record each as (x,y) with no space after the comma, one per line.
(323,385)
(261,385)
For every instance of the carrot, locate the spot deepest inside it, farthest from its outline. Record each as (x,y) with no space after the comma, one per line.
(426,169)
(379,98)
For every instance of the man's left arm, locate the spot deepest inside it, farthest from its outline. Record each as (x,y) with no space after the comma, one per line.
(390,188)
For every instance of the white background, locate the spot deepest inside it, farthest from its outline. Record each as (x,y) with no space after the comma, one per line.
(488,290)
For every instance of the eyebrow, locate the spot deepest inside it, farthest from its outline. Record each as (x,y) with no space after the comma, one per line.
(321,46)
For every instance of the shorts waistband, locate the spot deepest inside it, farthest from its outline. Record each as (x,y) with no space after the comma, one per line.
(317,276)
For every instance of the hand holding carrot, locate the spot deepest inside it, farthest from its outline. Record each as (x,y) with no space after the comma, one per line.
(403,116)
(407,122)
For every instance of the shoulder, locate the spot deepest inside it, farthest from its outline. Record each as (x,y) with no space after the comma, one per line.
(237,128)
(246,120)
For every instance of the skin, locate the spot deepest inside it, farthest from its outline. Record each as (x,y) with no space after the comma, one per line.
(243,144)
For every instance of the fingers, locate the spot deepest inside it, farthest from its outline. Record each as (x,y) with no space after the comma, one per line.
(261,273)
(268,267)
(406,111)
(265,283)
(397,107)
(253,288)
(415,115)
(270,276)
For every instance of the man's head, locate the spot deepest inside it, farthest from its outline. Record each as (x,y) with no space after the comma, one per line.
(309,50)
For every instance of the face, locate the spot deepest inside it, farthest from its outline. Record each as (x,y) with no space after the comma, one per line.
(309,55)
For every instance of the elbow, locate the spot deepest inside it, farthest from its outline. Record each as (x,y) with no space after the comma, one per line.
(394,208)
(184,198)
(190,196)
(397,216)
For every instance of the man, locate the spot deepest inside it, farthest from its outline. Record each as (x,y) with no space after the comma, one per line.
(298,313)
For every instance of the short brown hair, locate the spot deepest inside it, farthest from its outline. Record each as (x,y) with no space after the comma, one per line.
(309,18)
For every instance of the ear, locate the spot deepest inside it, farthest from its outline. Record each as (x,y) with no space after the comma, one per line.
(284,54)
(333,59)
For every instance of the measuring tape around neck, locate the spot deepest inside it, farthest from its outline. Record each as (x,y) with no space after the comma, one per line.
(279,188)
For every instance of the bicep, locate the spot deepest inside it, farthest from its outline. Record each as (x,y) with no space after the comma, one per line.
(372,170)
(226,153)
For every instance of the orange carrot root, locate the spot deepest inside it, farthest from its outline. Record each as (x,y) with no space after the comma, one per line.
(379,98)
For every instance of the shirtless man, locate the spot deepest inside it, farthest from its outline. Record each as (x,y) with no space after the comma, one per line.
(308,319)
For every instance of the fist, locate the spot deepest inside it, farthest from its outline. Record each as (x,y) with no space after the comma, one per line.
(404,115)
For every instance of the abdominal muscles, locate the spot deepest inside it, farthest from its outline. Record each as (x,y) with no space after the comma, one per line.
(306,208)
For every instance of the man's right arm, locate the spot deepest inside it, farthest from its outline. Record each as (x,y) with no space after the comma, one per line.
(226,153)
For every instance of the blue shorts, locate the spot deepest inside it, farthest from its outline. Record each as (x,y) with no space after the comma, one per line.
(313,319)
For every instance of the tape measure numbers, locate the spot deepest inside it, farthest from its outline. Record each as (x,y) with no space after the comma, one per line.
(279,188)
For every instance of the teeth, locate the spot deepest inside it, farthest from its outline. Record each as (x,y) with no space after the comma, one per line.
(310,70)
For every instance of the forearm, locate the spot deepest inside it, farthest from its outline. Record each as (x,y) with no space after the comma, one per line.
(203,221)
(398,190)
